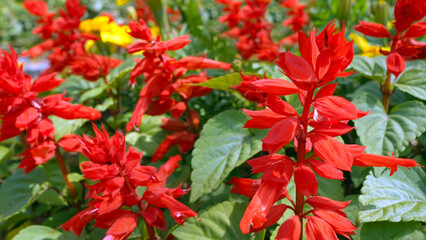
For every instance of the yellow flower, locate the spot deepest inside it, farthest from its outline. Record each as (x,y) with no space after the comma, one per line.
(155,31)
(122,2)
(112,33)
(364,46)
(88,45)
(93,25)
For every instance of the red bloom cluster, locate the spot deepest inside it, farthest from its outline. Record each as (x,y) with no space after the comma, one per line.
(298,18)
(403,45)
(163,77)
(118,174)
(323,58)
(251,29)
(21,109)
(59,33)
(92,67)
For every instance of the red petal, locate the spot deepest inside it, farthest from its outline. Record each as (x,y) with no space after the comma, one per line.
(245,186)
(326,203)
(372,29)
(259,206)
(46,83)
(276,86)
(280,135)
(298,70)
(332,151)
(326,91)
(308,48)
(383,161)
(177,43)
(261,163)
(305,180)
(194,63)
(395,63)
(326,170)
(290,229)
(318,229)
(262,119)
(336,108)
(154,217)
(70,143)
(340,224)
(279,106)
(28,117)
(123,226)
(416,30)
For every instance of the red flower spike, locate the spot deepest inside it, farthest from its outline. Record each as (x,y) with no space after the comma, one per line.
(261,164)
(178,210)
(305,180)
(280,135)
(36,7)
(395,63)
(194,63)
(79,221)
(276,86)
(372,29)
(290,229)
(318,229)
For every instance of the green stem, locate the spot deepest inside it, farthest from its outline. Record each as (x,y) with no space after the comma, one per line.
(386,87)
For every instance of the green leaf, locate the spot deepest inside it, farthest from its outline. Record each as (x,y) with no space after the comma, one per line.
(223,145)
(51,197)
(92,93)
(75,177)
(64,126)
(219,222)
(384,134)
(158,9)
(413,81)
(5,153)
(104,105)
(194,19)
(20,190)
(37,232)
(393,231)
(149,137)
(369,68)
(400,197)
(223,82)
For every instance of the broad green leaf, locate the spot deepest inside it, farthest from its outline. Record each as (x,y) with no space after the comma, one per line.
(5,152)
(221,221)
(223,145)
(64,126)
(393,231)
(104,105)
(400,197)
(37,232)
(20,190)
(413,81)
(51,197)
(223,82)
(384,134)
(369,68)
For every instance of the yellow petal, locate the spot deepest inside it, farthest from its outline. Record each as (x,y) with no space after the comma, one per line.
(360,41)
(122,2)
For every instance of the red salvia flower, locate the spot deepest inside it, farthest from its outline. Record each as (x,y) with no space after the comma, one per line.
(21,109)
(92,67)
(118,173)
(323,58)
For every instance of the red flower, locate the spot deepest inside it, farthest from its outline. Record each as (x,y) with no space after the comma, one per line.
(22,110)
(92,67)
(323,58)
